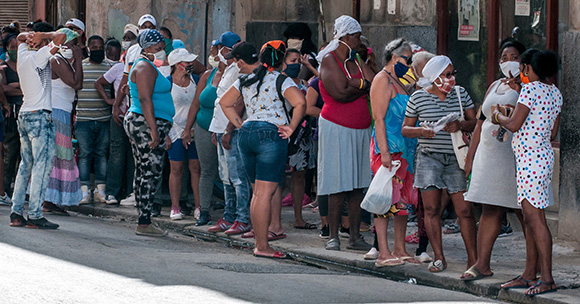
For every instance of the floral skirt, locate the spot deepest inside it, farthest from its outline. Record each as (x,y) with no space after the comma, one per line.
(405,197)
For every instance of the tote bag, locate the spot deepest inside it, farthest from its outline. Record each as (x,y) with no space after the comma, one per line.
(460,139)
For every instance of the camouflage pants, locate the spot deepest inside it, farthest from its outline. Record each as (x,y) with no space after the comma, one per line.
(148,162)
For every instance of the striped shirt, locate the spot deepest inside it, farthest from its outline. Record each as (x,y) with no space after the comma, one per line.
(428,107)
(91,106)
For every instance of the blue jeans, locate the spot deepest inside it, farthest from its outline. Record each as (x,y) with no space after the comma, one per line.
(120,166)
(235,179)
(37,141)
(263,150)
(93,137)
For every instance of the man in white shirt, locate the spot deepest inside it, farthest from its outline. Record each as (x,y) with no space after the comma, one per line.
(35,125)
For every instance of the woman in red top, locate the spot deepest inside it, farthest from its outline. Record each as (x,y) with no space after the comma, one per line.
(344,130)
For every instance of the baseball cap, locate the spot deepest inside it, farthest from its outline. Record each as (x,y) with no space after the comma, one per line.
(131,28)
(180,55)
(146,18)
(178,44)
(227,39)
(76,22)
(245,51)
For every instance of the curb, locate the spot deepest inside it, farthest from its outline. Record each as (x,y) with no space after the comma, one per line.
(412,274)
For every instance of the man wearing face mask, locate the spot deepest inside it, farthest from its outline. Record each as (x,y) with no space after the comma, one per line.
(92,124)
(129,38)
(219,123)
(236,183)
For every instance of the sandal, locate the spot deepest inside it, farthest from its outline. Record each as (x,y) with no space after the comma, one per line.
(273,236)
(452,228)
(518,278)
(389,262)
(436,266)
(474,274)
(249,235)
(307,226)
(409,259)
(277,255)
(536,287)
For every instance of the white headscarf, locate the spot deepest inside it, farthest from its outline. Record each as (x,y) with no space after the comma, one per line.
(434,67)
(343,25)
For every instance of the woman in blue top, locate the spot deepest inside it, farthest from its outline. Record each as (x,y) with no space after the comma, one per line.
(148,120)
(389,99)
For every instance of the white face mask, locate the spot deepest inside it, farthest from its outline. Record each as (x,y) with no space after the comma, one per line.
(212,61)
(510,66)
(161,55)
(221,57)
(127,44)
(66,53)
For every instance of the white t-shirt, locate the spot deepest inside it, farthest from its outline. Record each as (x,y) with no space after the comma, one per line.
(131,55)
(219,122)
(114,76)
(182,99)
(267,106)
(35,78)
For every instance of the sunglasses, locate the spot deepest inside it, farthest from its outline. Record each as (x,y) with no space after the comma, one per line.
(408,59)
(450,74)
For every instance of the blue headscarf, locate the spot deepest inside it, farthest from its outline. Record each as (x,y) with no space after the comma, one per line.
(148,38)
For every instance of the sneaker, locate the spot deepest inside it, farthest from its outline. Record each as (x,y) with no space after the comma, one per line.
(344,232)
(373,254)
(324,232)
(175,214)
(111,200)
(221,226)
(185,209)
(423,257)
(49,207)
(98,197)
(156,210)
(129,201)
(150,230)
(17,220)
(364,227)
(41,223)
(506,230)
(86,199)
(204,219)
(196,213)
(5,200)
(412,238)
(238,228)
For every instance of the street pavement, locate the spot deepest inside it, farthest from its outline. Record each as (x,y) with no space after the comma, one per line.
(92,259)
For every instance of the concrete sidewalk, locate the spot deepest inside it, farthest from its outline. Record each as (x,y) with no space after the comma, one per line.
(508,257)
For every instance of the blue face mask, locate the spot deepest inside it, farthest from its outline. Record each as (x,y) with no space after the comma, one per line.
(401,69)
(292,70)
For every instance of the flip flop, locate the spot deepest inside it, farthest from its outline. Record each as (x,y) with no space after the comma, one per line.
(436,266)
(249,235)
(273,236)
(389,262)
(518,278)
(277,255)
(409,259)
(307,226)
(537,285)
(475,274)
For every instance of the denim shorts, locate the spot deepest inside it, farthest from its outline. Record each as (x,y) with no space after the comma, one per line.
(177,152)
(435,170)
(264,152)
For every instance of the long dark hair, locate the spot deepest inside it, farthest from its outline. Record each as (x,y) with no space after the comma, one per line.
(271,59)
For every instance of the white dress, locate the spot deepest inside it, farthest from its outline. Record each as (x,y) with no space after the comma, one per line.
(532,146)
(493,175)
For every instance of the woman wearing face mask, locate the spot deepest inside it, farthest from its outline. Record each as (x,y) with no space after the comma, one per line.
(436,166)
(535,124)
(389,99)
(147,122)
(129,37)
(300,148)
(64,187)
(199,118)
(491,164)
(183,92)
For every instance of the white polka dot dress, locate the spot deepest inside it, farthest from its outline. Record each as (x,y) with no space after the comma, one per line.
(531,144)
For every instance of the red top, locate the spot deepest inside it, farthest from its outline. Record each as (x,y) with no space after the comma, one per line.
(354,114)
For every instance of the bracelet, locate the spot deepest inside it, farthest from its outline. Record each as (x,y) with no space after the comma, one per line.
(361,84)
(496,119)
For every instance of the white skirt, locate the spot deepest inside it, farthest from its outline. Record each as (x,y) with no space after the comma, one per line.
(343,158)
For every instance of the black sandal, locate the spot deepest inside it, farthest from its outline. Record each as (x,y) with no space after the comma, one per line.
(527,285)
(538,284)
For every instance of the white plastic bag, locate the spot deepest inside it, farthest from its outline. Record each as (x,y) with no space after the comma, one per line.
(379,197)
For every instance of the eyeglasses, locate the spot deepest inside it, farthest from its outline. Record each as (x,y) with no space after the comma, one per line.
(408,59)
(450,74)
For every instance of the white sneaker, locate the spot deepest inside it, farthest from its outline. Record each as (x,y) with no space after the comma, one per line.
(373,254)
(175,214)
(129,201)
(423,257)
(5,200)
(99,194)
(196,213)
(111,200)
(86,197)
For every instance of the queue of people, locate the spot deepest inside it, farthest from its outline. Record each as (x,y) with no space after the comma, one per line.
(251,116)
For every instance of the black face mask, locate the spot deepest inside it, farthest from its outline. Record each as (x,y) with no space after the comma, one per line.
(97,56)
